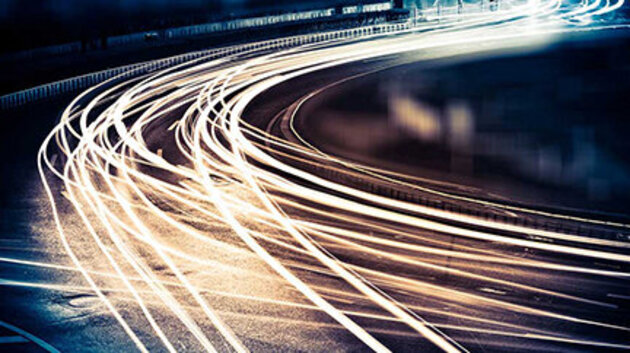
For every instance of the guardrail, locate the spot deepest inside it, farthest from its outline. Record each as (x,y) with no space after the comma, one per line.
(237,24)
(59,49)
(250,22)
(195,30)
(604,230)
(74,84)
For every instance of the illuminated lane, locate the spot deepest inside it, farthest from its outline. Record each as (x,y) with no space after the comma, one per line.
(203,227)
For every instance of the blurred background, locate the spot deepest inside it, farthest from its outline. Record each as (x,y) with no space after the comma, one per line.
(545,127)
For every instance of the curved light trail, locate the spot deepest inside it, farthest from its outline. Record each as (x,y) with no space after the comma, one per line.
(169,193)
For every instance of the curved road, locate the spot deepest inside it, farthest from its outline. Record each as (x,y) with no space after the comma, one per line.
(201,219)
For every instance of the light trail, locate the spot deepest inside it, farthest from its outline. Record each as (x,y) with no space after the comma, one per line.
(190,206)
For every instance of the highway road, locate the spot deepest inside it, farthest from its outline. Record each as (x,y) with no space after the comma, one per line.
(187,210)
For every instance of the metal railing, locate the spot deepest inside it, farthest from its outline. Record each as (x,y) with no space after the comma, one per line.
(74,84)
(192,30)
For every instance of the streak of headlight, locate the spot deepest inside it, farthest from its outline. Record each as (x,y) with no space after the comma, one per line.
(103,176)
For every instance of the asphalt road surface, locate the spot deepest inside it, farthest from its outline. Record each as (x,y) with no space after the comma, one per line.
(244,205)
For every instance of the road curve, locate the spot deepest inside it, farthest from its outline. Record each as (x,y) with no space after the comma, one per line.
(203,224)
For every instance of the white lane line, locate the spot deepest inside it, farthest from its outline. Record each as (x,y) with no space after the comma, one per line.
(12,339)
(36,340)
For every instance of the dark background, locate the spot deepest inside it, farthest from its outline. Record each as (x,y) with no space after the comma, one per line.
(26,24)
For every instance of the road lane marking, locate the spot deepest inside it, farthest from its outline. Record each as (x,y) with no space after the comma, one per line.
(31,337)
(12,339)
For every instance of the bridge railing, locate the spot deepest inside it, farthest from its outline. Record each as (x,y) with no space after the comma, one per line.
(166,34)
(74,84)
